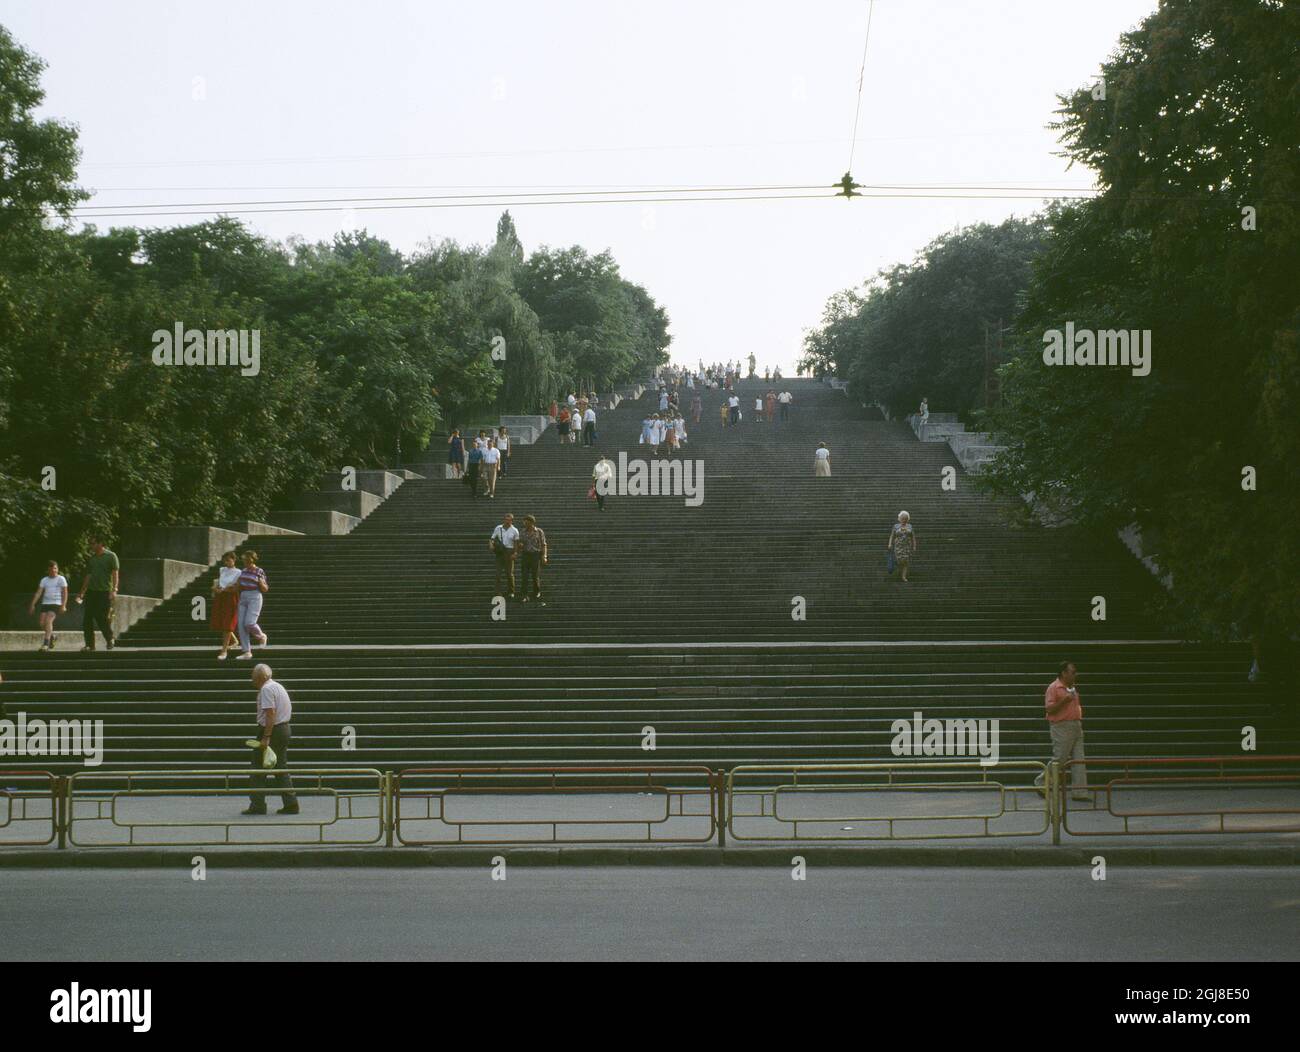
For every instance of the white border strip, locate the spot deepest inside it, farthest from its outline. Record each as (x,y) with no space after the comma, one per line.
(883,644)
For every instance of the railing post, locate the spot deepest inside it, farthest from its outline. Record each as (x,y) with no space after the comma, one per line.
(721,786)
(1054,801)
(388,808)
(61,805)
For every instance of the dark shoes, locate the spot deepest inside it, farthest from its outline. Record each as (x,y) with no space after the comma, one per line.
(288,810)
(253,811)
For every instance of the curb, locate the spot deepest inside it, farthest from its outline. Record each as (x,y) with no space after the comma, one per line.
(466,857)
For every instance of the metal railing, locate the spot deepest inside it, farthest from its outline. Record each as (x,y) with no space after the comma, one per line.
(352,804)
(887,801)
(824,803)
(1216,794)
(30,808)
(555,805)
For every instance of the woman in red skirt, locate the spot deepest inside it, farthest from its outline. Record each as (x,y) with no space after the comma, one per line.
(225,603)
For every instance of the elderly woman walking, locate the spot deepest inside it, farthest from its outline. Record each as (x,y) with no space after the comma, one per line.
(252,586)
(901,544)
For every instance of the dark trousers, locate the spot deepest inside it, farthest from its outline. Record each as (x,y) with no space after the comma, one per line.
(532,574)
(732,414)
(785,411)
(589,434)
(98,613)
(505,569)
(471,479)
(280,743)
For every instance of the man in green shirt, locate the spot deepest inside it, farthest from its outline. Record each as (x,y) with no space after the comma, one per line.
(98,590)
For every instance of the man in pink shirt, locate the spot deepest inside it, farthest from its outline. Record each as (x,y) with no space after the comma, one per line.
(1065,721)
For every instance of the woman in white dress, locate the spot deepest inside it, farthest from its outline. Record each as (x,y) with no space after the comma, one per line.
(648,432)
(602,478)
(822,461)
(679,425)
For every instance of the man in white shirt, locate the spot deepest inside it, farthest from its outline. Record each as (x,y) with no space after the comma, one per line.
(491,464)
(589,427)
(733,410)
(502,545)
(783,400)
(274,711)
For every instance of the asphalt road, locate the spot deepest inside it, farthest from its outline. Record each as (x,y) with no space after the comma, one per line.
(642,913)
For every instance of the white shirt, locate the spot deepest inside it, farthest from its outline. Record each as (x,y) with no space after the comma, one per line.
(571,400)
(53,589)
(823,454)
(506,536)
(589,417)
(503,443)
(733,401)
(480,443)
(784,396)
(273,699)
(491,455)
(758,405)
(604,469)
(227,576)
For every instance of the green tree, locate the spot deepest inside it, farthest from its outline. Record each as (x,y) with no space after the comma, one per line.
(1195,237)
(922,330)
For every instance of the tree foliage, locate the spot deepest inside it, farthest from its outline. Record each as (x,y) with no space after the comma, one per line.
(1198,126)
(921,330)
(363,352)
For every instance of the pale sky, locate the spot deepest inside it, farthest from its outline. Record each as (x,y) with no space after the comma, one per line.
(396,97)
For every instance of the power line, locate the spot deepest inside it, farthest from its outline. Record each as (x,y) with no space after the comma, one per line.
(460,197)
(451,204)
(862,72)
(584,201)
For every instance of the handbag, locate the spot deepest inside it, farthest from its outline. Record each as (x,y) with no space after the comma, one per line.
(591,493)
(498,545)
(891,563)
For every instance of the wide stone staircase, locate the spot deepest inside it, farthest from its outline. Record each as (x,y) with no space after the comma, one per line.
(757,626)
